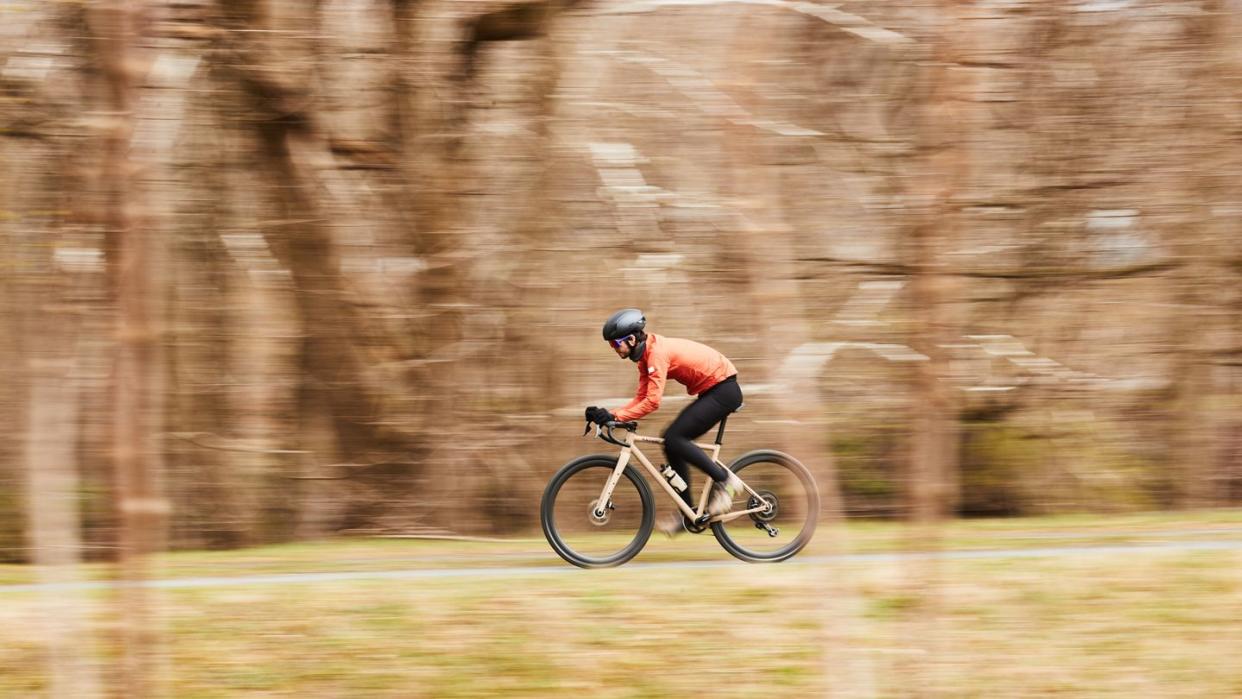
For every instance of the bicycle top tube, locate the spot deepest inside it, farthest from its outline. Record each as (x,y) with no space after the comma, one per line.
(632,427)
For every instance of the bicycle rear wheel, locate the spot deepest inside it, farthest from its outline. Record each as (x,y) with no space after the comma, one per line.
(571,523)
(787,486)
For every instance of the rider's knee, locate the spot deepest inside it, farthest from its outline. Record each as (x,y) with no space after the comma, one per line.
(678,448)
(673,441)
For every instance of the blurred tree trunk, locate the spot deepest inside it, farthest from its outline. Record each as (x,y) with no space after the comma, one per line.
(1228,437)
(114,30)
(48,280)
(450,49)
(533,292)
(269,50)
(1201,244)
(939,172)
(204,487)
(48,312)
(428,117)
(938,175)
(525,381)
(52,483)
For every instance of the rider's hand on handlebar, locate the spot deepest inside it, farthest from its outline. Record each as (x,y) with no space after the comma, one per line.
(599,416)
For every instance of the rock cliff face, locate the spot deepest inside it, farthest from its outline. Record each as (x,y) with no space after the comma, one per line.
(981,255)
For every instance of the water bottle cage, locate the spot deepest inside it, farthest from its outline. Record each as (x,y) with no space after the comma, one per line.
(674,479)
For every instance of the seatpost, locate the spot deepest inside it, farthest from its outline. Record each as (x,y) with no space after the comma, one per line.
(720,432)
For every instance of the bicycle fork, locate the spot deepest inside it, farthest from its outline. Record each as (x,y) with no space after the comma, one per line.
(605,498)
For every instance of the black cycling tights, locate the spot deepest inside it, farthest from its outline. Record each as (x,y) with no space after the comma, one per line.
(712,406)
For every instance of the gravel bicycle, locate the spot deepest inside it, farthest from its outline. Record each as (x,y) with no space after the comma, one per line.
(597,511)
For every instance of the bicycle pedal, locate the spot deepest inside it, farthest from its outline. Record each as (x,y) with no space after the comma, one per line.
(773,532)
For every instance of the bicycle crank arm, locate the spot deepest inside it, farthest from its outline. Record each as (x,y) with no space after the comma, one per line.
(730,516)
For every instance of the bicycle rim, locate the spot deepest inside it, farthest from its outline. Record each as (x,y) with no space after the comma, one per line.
(574,529)
(788,486)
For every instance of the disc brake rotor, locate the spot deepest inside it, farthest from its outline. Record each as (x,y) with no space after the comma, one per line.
(597,520)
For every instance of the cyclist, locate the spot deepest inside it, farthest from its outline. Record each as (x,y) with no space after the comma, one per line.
(705,373)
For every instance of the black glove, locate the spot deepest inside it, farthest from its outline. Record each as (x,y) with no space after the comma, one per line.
(598,415)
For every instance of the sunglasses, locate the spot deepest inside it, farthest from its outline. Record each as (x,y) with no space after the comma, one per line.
(617,343)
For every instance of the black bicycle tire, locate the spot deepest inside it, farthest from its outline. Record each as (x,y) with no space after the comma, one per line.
(808,530)
(549,501)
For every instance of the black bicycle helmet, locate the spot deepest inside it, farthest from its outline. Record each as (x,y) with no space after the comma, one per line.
(624,323)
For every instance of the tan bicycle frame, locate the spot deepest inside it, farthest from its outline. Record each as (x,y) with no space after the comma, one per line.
(712,450)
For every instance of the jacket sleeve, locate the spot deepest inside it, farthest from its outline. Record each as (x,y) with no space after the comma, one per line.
(650,391)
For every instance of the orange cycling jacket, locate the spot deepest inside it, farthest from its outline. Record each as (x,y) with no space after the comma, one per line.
(696,366)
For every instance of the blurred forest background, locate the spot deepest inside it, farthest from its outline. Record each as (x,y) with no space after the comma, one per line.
(275,269)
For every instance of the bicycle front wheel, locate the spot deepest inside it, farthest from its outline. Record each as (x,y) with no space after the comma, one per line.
(792,500)
(590,534)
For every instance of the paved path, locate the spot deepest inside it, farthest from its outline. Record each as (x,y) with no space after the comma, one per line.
(566,569)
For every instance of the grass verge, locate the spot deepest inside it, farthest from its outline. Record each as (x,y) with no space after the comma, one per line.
(1113,624)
